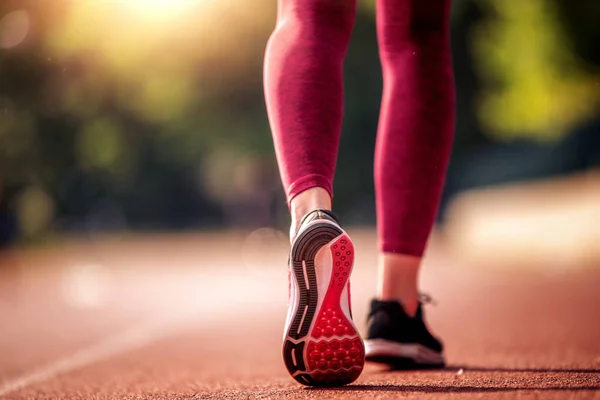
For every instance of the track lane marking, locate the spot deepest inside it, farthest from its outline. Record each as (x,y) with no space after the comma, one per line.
(130,339)
(184,313)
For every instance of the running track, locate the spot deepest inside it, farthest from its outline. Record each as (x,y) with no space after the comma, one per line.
(200,317)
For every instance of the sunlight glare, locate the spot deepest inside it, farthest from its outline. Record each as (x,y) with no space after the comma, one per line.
(160,9)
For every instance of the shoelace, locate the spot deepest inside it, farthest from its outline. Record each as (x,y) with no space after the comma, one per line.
(425,299)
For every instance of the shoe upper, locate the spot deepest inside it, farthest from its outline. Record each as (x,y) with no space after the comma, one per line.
(319,214)
(388,320)
(329,216)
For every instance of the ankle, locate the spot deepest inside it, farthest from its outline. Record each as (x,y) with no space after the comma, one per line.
(305,202)
(398,280)
(410,304)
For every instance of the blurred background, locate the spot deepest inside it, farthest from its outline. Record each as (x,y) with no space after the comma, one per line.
(132,116)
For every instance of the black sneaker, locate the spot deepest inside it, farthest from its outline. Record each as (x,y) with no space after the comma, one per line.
(401,341)
(321,345)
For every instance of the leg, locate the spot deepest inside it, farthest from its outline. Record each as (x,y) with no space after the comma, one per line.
(310,199)
(303,87)
(413,148)
(304,95)
(414,138)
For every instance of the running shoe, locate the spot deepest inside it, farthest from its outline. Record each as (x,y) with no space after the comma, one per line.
(399,340)
(321,345)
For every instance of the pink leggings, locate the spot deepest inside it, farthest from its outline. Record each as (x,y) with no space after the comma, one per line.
(304,95)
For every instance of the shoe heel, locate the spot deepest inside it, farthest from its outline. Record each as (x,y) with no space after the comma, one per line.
(326,350)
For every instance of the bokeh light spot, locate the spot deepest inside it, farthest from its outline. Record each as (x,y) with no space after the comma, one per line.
(86,286)
(100,144)
(35,211)
(13,29)
(263,248)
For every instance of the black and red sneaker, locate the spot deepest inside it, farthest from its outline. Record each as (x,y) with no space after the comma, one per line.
(399,340)
(321,345)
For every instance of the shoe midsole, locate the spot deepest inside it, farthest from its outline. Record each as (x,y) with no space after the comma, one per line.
(415,351)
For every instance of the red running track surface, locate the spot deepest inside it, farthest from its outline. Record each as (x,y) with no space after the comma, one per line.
(201,316)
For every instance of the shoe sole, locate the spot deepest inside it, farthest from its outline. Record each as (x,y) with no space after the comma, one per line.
(402,355)
(322,347)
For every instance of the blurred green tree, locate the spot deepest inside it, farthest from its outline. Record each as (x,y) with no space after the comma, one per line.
(150,115)
(535,85)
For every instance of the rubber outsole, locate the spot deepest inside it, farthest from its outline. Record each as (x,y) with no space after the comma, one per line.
(322,347)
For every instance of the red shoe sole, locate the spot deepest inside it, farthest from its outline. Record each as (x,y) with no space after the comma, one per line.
(326,350)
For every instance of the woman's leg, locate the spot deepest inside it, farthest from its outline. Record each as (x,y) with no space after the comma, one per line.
(304,95)
(414,139)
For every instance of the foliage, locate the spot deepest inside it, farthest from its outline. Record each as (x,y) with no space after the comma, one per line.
(149,114)
(535,85)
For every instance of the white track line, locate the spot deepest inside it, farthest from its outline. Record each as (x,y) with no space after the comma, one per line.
(215,303)
(130,339)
